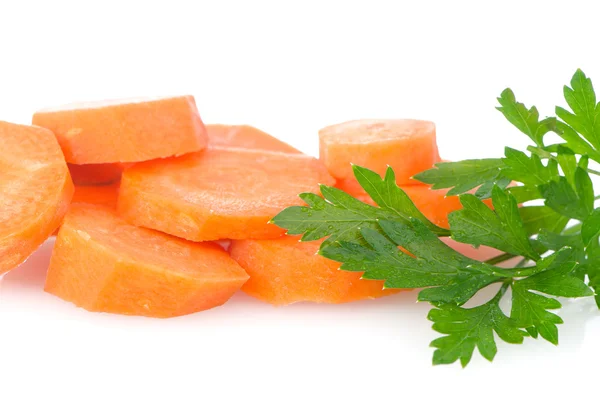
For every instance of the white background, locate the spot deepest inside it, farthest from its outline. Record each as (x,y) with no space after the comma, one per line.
(288,68)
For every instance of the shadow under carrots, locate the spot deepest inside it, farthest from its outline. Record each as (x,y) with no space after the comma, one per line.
(32,273)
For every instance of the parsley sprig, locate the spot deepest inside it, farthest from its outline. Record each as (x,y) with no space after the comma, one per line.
(558,242)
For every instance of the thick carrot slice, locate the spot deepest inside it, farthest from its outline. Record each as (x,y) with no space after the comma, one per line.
(96,174)
(105,195)
(245,136)
(283,271)
(125,130)
(101,263)
(219,193)
(408,146)
(35,190)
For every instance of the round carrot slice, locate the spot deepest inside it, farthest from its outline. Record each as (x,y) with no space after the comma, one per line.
(245,136)
(101,263)
(35,190)
(126,130)
(221,193)
(408,146)
(284,271)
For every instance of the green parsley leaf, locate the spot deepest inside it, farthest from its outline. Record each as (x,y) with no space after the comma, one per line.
(322,218)
(434,264)
(562,198)
(530,311)
(525,193)
(470,328)
(592,267)
(526,120)
(390,197)
(341,216)
(555,242)
(561,256)
(568,163)
(537,217)
(585,189)
(558,281)
(575,142)
(502,228)
(461,176)
(485,190)
(590,228)
(581,98)
(529,170)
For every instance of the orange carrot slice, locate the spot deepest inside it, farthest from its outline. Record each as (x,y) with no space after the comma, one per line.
(101,263)
(125,130)
(105,195)
(408,146)
(245,136)
(35,191)
(219,193)
(283,271)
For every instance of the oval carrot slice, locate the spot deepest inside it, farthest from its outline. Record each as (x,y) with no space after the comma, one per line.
(35,191)
(219,193)
(245,136)
(125,130)
(408,146)
(101,263)
(284,271)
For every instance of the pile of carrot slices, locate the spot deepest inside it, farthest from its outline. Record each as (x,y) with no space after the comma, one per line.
(142,197)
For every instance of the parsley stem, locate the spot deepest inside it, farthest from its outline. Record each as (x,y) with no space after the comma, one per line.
(500,258)
(524,272)
(593,172)
(546,154)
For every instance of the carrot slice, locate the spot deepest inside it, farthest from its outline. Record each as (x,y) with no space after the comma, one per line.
(101,263)
(125,130)
(35,191)
(245,136)
(105,195)
(408,146)
(219,193)
(283,271)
